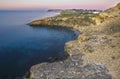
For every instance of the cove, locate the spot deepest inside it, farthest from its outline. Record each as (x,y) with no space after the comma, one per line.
(22,46)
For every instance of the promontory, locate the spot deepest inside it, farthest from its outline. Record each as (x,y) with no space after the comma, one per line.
(95,54)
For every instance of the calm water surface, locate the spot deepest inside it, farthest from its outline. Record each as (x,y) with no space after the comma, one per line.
(22,46)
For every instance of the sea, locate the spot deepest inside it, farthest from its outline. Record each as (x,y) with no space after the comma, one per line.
(22,46)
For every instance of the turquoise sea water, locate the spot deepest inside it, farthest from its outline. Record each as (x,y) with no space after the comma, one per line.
(22,46)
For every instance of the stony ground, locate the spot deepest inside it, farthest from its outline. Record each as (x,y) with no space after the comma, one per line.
(71,68)
(99,48)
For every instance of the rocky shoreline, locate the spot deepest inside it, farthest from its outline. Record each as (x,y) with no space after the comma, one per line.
(94,55)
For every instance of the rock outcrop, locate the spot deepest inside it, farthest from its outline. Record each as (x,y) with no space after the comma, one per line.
(94,55)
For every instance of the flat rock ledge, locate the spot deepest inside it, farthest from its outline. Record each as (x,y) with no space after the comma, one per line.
(71,68)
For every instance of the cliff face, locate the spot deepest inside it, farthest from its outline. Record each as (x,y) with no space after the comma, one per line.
(94,55)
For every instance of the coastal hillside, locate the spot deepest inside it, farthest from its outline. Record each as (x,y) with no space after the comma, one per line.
(95,54)
(112,12)
(108,15)
(69,18)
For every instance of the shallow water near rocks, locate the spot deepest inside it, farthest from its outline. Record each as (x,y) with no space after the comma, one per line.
(22,46)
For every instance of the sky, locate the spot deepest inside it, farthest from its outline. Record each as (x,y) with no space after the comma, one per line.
(56,4)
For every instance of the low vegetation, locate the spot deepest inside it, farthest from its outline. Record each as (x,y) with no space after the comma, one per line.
(113,27)
(69,18)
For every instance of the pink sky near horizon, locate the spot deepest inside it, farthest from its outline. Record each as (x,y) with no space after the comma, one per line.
(57,4)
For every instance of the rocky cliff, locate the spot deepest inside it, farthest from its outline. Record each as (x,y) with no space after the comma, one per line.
(94,55)
(109,14)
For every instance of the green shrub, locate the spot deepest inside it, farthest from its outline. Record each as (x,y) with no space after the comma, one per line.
(112,27)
